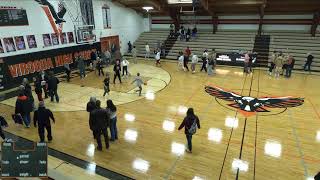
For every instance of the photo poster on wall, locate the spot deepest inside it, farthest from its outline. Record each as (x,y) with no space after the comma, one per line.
(55,40)
(20,44)
(70,37)
(32,43)
(63,38)
(9,44)
(1,47)
(46,40)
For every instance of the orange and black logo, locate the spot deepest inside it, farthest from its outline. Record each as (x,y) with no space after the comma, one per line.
(249,106)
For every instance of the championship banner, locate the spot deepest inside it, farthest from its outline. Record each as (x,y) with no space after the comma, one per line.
(28,65)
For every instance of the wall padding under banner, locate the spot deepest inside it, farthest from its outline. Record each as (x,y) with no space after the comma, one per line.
(29,65)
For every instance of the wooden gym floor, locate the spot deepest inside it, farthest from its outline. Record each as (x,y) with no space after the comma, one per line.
(279,146)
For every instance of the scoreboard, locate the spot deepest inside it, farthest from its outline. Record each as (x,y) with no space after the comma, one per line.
(24,161)
(12,16)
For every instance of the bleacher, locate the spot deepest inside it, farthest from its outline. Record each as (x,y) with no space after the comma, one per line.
(152,38)
(298,44)
(222,41)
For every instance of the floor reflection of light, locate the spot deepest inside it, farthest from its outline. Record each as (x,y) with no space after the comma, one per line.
(129,117)
(130,135)
(141,165)
(310,178)
(182,110)
(240,164)
(272,148)
(90,150)
(177,148)
(215,135)
(232,122)
(318,136)
(168,125)
(150,95)
(91,168)
(197,178)
(222,71)
(238,73)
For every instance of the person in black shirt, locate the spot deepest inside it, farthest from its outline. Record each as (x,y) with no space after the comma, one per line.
(99,123)
(42,116)
(106,87)
(100,67)
(308,62)
(189,122)
(117,70)
(53,87)
(38,88)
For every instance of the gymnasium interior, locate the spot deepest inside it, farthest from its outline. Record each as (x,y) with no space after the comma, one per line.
(254,124)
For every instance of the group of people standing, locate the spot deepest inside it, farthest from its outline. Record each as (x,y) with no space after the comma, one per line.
(281,62)
(100,119)
(208,61)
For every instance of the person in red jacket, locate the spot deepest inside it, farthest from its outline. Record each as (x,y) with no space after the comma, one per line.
(190,123)
(24,108)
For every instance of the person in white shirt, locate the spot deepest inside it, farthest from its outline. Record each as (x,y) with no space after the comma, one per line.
(157,57)
(194,61)
(204,61)
(180,60)
(125,64)
(147,51)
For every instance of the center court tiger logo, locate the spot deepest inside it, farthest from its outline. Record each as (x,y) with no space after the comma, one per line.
(249,106)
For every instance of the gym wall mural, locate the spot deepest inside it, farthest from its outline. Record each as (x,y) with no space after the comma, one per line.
(15,68)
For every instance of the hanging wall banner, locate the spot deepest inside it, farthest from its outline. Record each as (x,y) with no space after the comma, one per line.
(28,65)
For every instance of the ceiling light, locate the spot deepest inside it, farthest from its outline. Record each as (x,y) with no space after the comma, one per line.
(147,8)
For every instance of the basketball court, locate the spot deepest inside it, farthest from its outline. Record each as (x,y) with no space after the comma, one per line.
(151,147)
(253,125)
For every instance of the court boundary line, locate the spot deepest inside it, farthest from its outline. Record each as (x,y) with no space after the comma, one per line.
(298,145)
(244,127)
(230,136)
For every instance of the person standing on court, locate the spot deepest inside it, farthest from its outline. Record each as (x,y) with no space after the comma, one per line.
(194,61)
(81,66)
(134,54)
(38,88)
(204,61)
(42,116)
(99,123)
(129,47)
(53,87)
(106,86)
(117,71)
(278,64)
(308,62)
(190,123)
(107,56)
(125,64)
(24,108)
(67,70)
(246,63)
(157,57)
(147,48)
(91,105)
(44,81)
(100,66)
(290,65)
(112,110)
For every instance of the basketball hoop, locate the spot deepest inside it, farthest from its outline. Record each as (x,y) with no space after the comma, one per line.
(85,34)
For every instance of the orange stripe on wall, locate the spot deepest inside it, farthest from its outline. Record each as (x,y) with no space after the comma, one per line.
(49,15)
